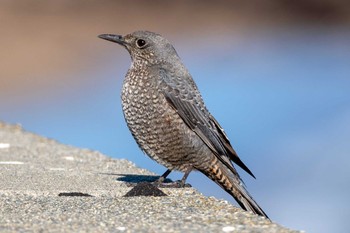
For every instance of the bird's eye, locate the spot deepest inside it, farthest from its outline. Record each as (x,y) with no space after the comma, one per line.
(140,43)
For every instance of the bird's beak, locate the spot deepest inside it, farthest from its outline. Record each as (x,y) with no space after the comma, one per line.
(114,38)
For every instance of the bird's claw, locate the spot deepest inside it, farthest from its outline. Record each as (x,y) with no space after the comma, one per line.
(174,184)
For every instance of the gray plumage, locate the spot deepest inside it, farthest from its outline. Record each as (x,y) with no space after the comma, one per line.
(168,118)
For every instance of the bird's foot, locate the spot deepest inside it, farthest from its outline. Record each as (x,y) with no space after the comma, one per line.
(174,184)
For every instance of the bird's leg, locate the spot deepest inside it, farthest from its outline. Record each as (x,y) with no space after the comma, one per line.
(163,177)
(184,178)
(176,184)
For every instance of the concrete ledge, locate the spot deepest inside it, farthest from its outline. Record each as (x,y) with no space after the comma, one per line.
(35,170)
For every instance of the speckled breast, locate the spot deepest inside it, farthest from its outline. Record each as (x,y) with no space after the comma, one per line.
(155,125)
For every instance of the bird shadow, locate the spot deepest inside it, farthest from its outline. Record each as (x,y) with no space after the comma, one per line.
(135,179)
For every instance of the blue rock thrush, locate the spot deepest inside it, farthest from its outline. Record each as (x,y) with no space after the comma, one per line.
(167,117)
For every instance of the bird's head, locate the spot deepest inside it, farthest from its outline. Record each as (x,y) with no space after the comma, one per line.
(145,47)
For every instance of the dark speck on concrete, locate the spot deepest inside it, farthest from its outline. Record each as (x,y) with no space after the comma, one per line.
(74,194)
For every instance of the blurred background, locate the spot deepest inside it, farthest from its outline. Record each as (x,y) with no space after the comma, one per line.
(275,74)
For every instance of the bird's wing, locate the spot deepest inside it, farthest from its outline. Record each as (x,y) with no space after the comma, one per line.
(183,95)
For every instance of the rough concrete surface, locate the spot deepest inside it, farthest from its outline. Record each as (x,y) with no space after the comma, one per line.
(46,186)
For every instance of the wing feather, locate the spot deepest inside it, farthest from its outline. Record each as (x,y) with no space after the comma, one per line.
(197,118)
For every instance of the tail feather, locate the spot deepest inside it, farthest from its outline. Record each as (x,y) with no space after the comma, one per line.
(246,201)
(232,184)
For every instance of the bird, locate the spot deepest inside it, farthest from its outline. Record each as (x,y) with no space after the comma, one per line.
(169,120)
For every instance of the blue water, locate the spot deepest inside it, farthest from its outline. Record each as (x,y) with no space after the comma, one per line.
(283,99)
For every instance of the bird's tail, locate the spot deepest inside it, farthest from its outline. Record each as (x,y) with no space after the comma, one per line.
(232,184)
